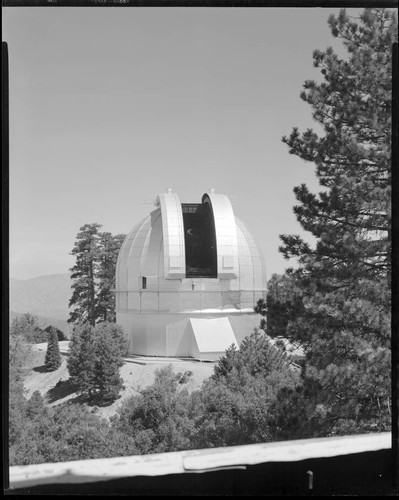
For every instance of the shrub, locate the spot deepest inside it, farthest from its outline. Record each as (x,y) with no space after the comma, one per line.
(28,328)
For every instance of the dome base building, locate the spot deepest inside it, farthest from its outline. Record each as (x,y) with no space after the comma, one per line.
(187,279)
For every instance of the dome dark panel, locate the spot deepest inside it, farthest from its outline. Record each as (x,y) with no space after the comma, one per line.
(200,241)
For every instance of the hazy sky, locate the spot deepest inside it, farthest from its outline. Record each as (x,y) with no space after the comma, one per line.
(111,106)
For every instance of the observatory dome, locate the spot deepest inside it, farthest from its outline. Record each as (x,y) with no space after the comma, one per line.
(187,278)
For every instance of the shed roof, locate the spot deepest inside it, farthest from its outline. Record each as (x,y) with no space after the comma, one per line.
(213,334)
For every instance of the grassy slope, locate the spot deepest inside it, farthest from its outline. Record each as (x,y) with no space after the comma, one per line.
(56,388)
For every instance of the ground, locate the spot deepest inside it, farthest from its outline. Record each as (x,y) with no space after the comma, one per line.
(136,372)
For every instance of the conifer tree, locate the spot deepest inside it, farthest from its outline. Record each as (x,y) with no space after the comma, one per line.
(108,255)
(231,359)
(82,359)
(83,274)
(339,297)
(53,357)
(95,357)
(60,334)
(256,355)
(111,346)
(93,275)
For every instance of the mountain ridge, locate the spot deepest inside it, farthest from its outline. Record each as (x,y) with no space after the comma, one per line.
(40,276)
(46,295)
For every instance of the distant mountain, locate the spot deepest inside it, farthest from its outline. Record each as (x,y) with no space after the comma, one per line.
(46,296)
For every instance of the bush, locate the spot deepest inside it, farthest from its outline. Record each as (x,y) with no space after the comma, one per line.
(27,326)
(157,419)
(66,432)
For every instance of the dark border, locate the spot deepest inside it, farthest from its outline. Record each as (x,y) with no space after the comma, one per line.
(395,271)
(5,257)
(202,3)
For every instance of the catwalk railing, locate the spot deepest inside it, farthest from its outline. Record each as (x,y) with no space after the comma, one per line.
(302,466)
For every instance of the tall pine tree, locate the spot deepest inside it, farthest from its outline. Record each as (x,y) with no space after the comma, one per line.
(339,297)
(93,275)
(108,255)
(83,274)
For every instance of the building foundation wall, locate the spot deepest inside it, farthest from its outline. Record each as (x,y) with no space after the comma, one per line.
(170,335)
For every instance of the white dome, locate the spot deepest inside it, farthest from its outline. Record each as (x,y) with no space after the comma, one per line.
(190,259)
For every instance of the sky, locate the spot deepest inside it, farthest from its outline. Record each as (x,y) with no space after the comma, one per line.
(111,106)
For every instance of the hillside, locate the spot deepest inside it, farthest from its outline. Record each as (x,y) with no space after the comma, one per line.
(136,374)
(46,296)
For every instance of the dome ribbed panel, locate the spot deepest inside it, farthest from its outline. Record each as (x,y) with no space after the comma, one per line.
(226,235)
(245,260)
(133,258)
(152,247)
(121,280)
(252,266)
(173,236)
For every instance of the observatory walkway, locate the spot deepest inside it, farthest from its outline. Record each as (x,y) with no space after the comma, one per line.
(131,358)
(156,360)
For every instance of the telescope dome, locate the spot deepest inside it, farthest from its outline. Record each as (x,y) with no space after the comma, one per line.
(181,268)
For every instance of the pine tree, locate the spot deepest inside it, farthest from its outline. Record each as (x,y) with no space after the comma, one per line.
(60,334)
(93,275)
(95,357)
(82,359)
(256,355)
(340,295)
(86,250)
(109,249)
(53,357)
(110,346)
(226,363)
